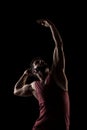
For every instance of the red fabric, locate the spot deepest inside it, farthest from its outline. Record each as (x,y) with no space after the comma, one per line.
(53,105)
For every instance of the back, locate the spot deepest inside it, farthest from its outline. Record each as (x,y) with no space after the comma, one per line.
(53,106)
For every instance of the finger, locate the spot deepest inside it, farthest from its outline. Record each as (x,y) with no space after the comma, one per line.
(39,21)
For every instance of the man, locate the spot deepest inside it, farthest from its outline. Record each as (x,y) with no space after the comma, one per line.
(50,86)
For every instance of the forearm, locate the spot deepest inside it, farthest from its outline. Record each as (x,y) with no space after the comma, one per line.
(55,34)
(20,83)
(58,44)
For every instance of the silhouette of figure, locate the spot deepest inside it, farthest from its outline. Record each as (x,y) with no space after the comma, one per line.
(50,87)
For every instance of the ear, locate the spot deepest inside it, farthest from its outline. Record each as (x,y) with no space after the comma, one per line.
(34,71)
(47,70)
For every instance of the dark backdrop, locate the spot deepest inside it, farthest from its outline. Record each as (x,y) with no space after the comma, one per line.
(21,40)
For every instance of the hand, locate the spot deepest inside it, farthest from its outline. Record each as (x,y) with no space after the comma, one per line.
(28,72)
(43,22)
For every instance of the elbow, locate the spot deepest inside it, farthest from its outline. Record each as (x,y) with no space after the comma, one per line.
(18,92)
(15,92)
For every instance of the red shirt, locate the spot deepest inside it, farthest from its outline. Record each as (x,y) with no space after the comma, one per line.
(53,105)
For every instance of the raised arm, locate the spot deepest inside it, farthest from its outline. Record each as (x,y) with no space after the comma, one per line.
(58,65)
(21,88)
(58,54)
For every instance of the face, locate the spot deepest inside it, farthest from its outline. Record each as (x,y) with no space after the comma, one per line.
(40,68)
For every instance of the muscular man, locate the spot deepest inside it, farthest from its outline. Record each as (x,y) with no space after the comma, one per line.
(50,88)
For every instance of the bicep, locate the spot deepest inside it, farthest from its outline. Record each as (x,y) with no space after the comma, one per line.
(60,79)
(25,91)
(55,57)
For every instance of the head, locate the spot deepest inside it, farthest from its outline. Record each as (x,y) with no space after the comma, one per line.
(39,68)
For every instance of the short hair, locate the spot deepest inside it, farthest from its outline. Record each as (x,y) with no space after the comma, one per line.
(36,59)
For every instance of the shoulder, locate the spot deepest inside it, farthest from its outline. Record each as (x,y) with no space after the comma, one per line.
(33,85)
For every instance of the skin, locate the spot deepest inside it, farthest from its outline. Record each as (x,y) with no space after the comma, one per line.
(58,66)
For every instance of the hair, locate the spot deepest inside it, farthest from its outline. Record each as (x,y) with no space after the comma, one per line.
(35,59)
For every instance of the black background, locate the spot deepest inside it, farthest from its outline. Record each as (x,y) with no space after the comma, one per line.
(21,40)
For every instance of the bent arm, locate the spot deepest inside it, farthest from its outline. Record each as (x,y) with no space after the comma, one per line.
(58,65)
(58,54)
(21,88)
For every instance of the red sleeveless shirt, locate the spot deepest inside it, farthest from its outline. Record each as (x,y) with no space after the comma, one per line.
(54,106)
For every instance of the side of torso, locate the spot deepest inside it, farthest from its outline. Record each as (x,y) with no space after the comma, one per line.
(53,101)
